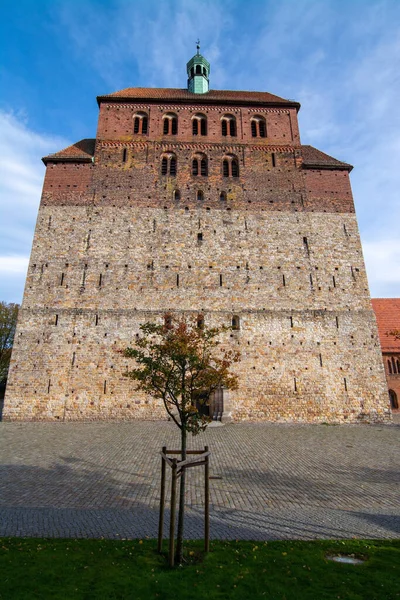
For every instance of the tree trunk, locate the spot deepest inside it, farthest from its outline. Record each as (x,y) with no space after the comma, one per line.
(181,516)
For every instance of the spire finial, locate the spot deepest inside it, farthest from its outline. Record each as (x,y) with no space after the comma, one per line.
(198,46)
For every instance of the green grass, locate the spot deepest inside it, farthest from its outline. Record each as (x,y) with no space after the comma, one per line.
(107,569)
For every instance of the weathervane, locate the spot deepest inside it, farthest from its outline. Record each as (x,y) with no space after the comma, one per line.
(198,46)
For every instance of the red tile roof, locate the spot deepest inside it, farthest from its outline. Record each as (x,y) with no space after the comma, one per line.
(313,158)
(387,312)
(82,151)
(177,94)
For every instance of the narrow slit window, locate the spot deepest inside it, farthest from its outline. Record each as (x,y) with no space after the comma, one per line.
(200,322)
(389,364)
(199,237)
(220,281)
(273,159)
(235,323)
(124,153)
(56,320)
(62,279)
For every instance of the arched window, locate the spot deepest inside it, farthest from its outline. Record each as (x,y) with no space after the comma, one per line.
(230,166)
(170,124)
(199,124)
(198,69)
(389,364)
(200,165)
(167,321)
(393,400)
(222,196)
(235,323)
(140,121)
(394,366)
(235,167)
(228,125)
(200,196)
(398,366)
(177,195)
(258,127)
(168,164)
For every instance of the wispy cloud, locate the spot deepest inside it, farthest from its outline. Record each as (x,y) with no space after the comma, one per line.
(21,180)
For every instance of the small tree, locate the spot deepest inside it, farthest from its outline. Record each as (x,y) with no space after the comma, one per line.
(8,322)
(179,363)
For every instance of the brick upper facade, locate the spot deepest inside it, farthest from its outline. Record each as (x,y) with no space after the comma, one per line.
(198,204)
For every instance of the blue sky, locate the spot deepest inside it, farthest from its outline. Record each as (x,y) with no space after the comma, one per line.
(340,59)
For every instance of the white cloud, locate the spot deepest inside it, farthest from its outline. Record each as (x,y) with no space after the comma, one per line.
(382,259)
(21,179)
(13,264)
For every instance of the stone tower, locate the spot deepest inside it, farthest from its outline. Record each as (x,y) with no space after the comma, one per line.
(201,202)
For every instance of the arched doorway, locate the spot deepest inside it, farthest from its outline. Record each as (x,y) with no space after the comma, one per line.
(393,400)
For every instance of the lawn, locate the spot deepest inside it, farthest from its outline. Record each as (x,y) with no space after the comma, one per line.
(132,569)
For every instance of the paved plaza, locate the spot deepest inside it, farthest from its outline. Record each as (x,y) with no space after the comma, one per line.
(268,481)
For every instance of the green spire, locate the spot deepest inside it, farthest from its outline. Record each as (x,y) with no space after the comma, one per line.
(198,70)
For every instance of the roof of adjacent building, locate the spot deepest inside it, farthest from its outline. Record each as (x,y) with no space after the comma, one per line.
(82,151)
(387,312)
(315,158)
(183,95)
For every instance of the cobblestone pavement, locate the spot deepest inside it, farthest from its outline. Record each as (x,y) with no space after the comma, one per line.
(268,481)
